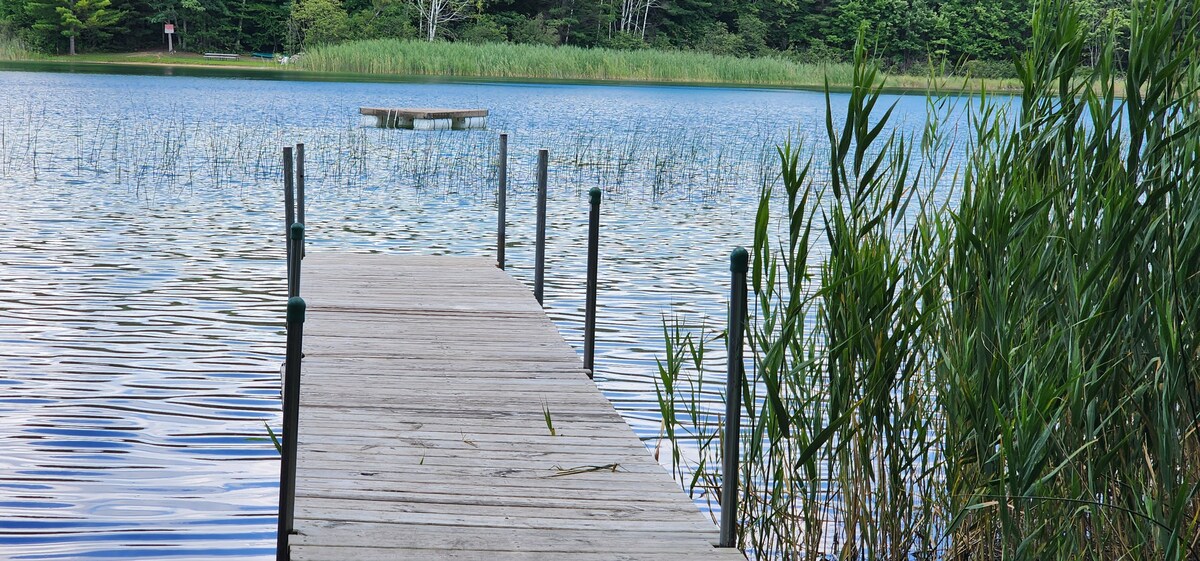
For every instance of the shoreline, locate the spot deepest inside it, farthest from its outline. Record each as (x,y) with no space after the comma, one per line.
(94,63)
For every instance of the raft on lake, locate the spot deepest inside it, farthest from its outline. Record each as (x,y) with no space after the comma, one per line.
(427,119)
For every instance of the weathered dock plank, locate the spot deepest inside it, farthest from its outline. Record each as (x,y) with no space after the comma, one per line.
(423,433)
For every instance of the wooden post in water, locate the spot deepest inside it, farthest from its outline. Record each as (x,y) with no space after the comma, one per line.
(297,238)
(539,258)
(501,201)
(735,338)
(289,215)
(593,266)
(300,189)
(291,423)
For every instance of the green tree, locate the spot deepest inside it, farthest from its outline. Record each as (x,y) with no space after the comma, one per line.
(688,23)
(995,30)
(316,22)
(581,22)
(1100,18)
(898,30)
(382,19)
(73,18)
(753,34)
(263,24)
(534,31)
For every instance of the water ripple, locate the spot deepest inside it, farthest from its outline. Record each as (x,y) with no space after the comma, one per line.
(142,279)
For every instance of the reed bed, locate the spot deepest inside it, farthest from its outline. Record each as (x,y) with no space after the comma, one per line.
(182,151)
(11,48)
(1012,374)
(504,60)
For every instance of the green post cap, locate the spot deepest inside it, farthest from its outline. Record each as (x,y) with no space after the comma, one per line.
(739,260)
(297,231)
(295,310)
(595,194)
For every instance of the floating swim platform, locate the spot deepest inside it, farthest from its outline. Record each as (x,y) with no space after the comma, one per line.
(427,119)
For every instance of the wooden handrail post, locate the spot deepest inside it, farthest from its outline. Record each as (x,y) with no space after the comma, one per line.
(289,211)
(291,423)
(735,338)
(539,267)
(593,266)
(501,201)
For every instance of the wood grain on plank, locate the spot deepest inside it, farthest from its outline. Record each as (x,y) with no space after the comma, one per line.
(425,386)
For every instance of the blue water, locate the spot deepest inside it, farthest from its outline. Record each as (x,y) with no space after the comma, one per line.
(141,265)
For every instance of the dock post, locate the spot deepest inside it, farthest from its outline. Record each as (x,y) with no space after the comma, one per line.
(297,239)
(502,201)
(300,190)
(291,423)
(539,268)
(735,338)
(289,216)
(593,265)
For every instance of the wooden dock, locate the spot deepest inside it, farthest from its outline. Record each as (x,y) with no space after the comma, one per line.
(427,119)
(426,383)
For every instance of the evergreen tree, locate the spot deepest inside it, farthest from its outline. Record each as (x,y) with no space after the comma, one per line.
(73,18)
(901,31)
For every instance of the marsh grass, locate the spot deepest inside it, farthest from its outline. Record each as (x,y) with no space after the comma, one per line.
(1011,375)
(11,48)
(501,60)
(505,60)
(181,151)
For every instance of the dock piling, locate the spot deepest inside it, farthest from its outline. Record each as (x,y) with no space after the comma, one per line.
(291,423)
(593,265)
(289,216)
(539,270)
(735,339)
(297,243)
(501,201)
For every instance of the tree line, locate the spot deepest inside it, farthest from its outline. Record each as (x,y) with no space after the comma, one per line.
(904,31)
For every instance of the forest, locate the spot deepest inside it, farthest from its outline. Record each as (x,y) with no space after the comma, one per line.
(906,33)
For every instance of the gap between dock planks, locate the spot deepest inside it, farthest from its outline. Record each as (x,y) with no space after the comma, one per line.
(422,432)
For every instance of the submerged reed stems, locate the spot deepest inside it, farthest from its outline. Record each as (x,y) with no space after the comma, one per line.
(1008,375)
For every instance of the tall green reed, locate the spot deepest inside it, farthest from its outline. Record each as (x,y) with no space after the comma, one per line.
(11,47)
(1068,351)
(1011,375)
(389,56)
(506,60)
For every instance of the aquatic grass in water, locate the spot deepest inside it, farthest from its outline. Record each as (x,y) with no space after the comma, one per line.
(184,152)
(196,258)
(1013,376)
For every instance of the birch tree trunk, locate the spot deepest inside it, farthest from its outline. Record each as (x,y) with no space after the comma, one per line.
(434,13)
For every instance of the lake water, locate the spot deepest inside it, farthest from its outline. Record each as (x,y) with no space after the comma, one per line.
(142,277)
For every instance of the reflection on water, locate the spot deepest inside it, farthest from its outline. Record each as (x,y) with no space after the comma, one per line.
(141,270)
